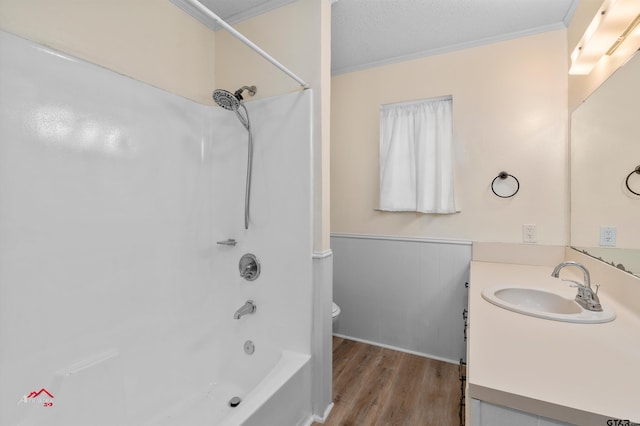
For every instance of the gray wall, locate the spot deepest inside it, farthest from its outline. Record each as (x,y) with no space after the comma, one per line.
(403,293)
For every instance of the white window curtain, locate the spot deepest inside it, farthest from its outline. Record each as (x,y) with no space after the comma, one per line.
(416,156)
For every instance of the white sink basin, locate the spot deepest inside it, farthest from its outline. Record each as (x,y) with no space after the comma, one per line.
(544,304)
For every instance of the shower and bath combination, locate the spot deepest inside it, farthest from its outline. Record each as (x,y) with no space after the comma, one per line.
(233,102)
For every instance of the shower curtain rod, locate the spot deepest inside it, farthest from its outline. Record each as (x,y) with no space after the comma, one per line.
(195,4)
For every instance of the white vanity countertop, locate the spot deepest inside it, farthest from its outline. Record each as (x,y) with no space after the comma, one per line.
(578,373)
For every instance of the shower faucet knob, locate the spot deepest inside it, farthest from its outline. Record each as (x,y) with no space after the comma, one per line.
(249,267)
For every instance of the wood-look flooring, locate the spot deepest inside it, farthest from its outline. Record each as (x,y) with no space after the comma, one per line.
(374,386)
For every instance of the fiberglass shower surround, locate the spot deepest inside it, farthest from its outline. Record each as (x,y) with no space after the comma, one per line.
(233,102)
(116,298)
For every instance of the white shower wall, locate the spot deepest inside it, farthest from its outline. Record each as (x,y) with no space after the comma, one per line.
(280,233)
(112,196)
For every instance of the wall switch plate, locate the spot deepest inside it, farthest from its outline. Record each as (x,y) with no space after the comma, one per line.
(608,236)
(529,233)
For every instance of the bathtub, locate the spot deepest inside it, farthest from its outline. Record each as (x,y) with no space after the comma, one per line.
(205,365)
(177,379)
(205,378)
(268,385)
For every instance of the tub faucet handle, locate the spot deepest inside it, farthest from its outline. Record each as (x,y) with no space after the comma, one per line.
(249,267)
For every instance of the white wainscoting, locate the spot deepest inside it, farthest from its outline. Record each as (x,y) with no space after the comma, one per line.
(403,293)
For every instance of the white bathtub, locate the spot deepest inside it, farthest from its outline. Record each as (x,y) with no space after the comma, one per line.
(198,380)
(268,383)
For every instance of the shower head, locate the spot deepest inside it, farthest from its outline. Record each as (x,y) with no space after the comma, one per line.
(226,100)
(231,101)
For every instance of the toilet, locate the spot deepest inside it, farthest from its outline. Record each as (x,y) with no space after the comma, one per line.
(335,313)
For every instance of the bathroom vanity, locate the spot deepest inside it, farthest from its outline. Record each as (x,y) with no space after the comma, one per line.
(531,371)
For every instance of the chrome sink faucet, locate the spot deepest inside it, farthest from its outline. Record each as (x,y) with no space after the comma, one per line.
(246,309)
(586,297)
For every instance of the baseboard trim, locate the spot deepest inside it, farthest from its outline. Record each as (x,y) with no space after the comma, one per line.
(395,348)
(316,418)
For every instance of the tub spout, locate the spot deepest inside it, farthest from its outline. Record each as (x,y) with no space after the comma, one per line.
(246,309)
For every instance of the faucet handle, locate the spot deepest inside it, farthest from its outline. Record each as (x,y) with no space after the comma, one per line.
(597,288)
(249,267)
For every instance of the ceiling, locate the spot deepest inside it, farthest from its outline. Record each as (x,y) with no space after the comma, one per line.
(368,33)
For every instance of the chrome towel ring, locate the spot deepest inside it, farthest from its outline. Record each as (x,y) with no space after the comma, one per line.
(502,177)
(626,182)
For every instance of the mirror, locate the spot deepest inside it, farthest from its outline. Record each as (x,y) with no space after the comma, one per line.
(605,151)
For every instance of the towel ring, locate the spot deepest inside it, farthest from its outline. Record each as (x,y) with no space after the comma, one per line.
(626,182)
(502,176)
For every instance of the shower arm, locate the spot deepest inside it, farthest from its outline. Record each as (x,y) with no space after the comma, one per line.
(190,5)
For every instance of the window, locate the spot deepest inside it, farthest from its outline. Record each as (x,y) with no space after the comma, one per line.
(416,156)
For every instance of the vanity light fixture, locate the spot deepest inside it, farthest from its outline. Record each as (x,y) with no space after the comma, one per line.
(633,26)
(616,23)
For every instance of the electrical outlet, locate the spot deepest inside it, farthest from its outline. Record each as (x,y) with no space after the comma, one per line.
(608,236)
(529,233)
